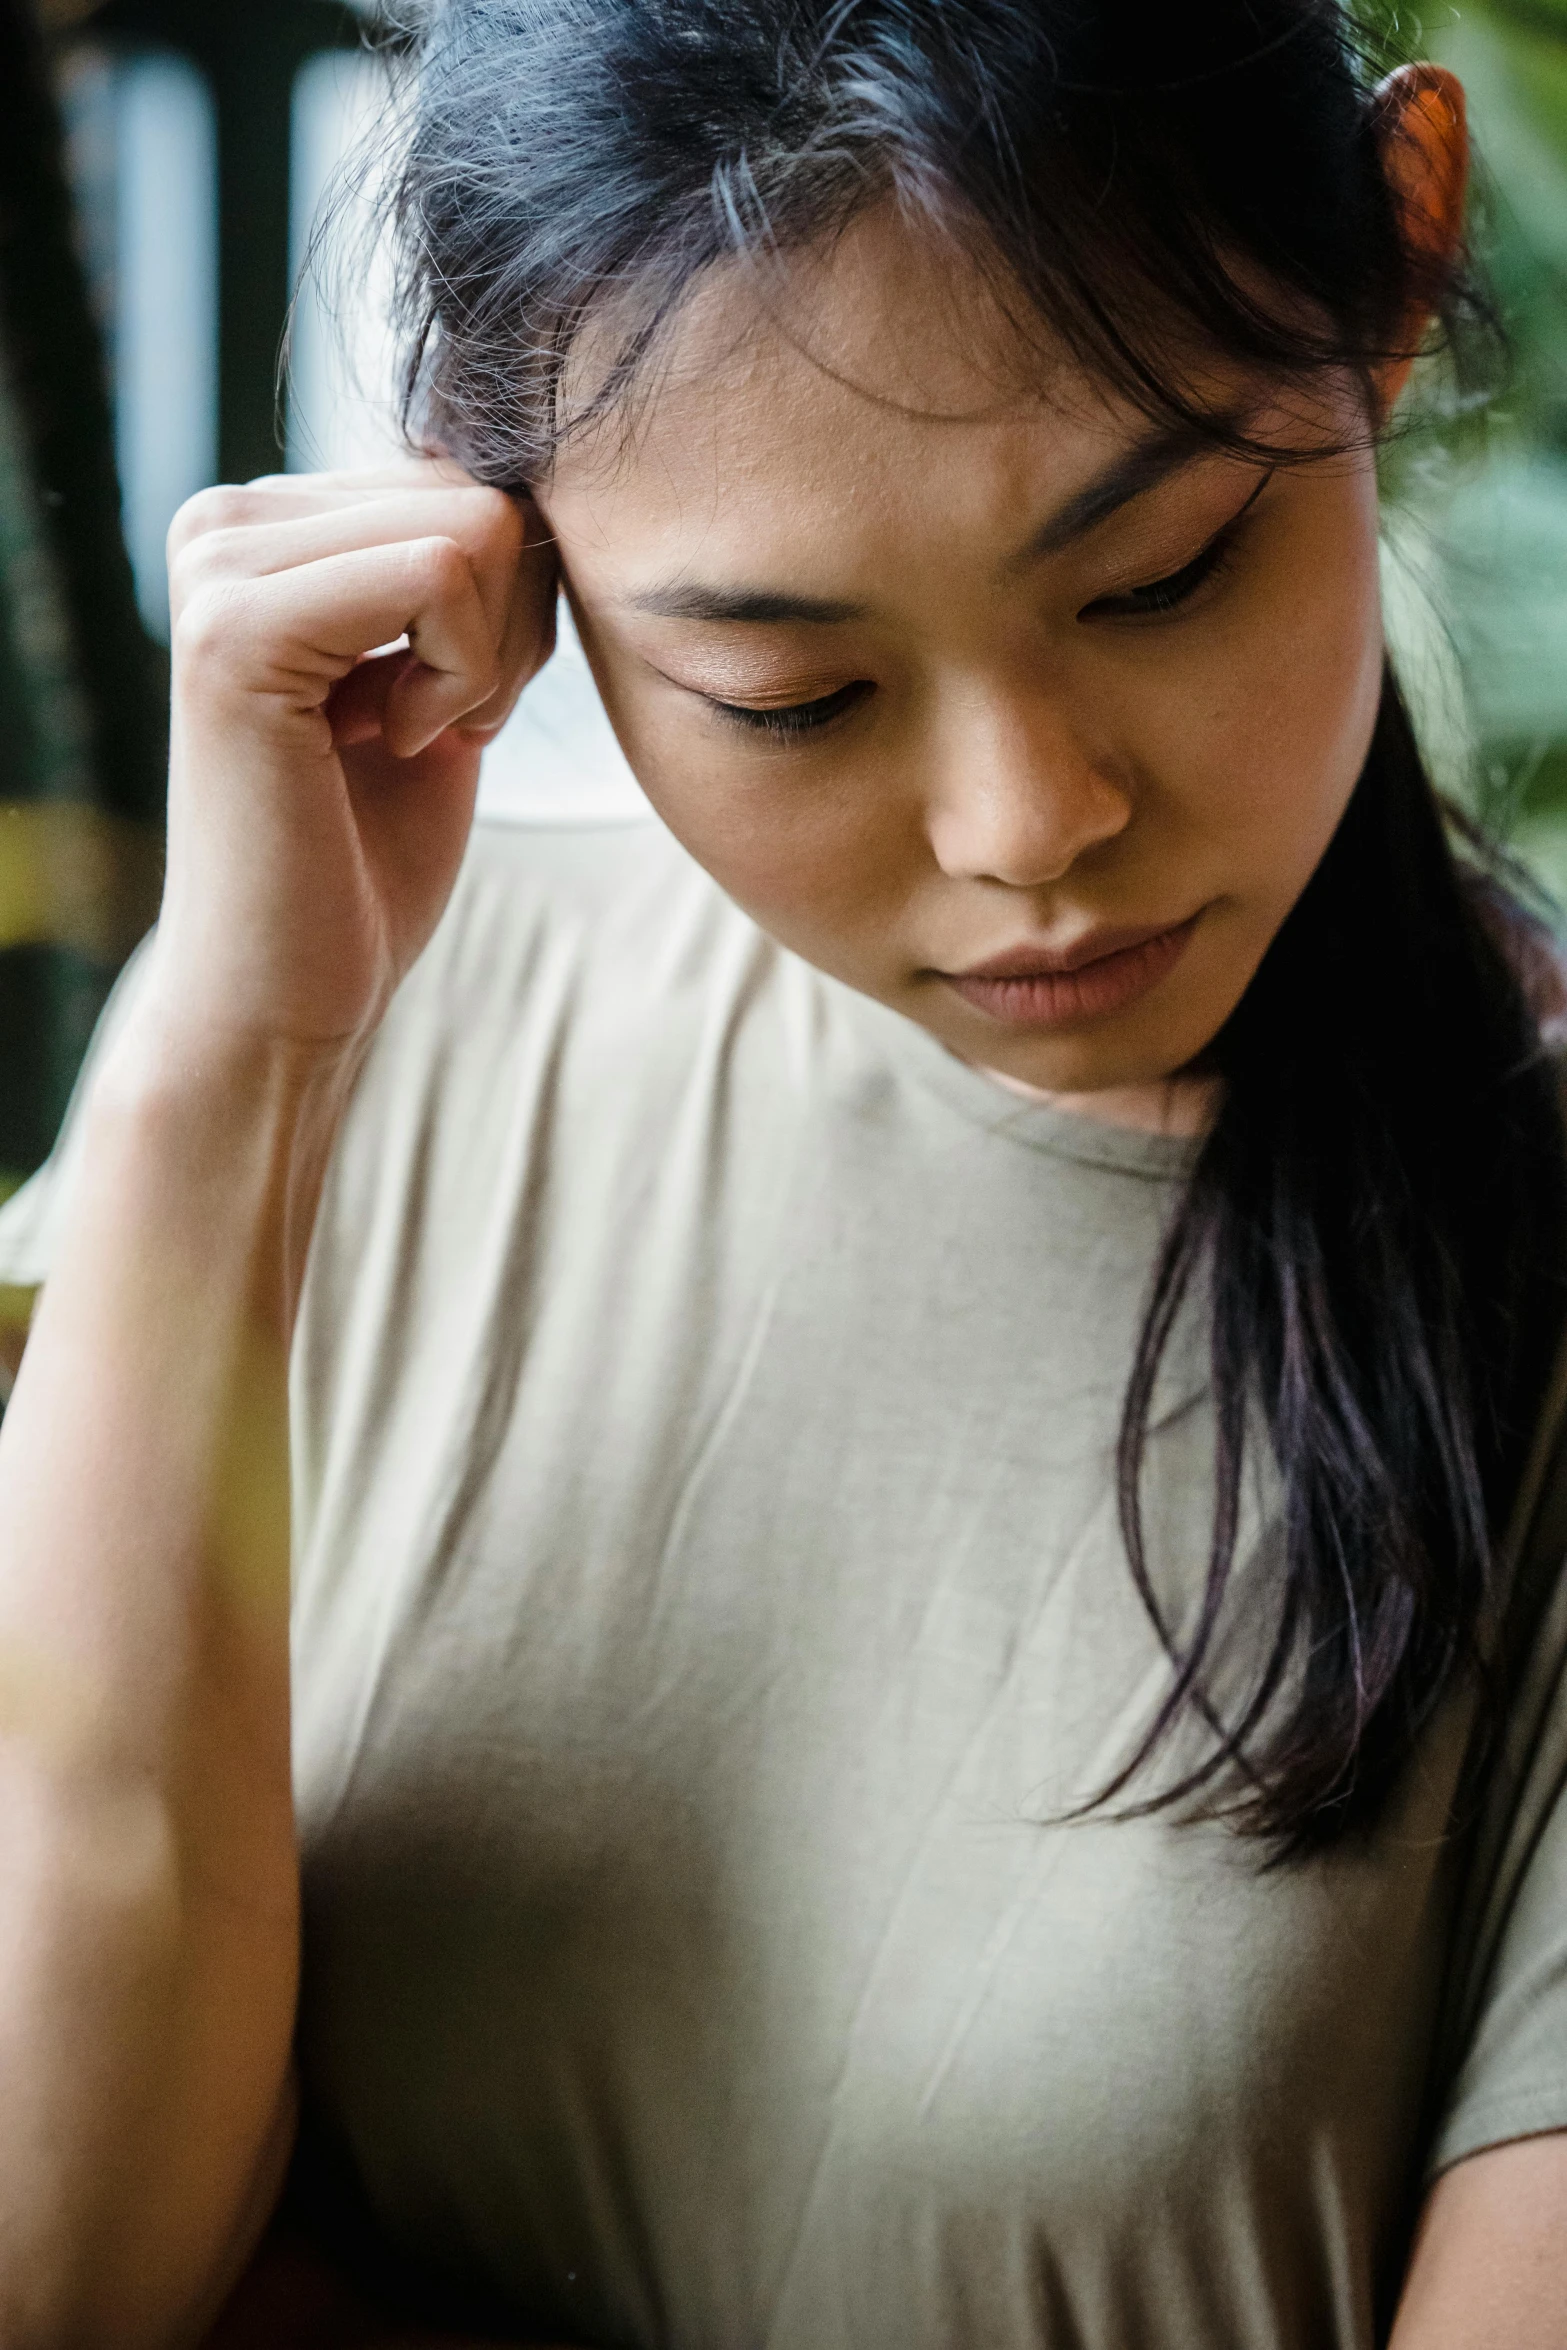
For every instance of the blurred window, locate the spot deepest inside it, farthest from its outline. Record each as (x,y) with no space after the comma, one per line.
(142,146)
(339,410)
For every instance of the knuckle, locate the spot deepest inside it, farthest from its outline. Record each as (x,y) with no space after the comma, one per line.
(184,575)
(446,565)
(221,508)
(210,627)
(500,517)
(213,553)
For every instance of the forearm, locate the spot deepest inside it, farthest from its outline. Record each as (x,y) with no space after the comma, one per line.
(148,1880)
(320,798)
(1489,2268)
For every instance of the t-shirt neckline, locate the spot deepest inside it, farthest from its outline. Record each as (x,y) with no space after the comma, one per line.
(1039,1126)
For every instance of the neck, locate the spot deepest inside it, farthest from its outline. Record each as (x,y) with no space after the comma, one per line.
(1180,1106)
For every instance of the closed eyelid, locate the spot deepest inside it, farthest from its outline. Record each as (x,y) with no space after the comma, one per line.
(772,693)
(756,681)
(1141,569)
(1172,591)
(794,718)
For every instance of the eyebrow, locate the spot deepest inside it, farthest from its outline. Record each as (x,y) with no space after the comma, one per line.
(683,599)
(1128,476)
(1138,469)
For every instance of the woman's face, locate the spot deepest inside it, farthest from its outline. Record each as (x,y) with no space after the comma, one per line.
(1002,709)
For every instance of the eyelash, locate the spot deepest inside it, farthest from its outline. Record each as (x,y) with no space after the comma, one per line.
(797,718)
(1160,596)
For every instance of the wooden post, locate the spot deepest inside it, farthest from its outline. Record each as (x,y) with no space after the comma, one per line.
(83,756)
(250,55)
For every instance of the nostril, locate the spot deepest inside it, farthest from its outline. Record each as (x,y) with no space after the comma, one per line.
(1026,831)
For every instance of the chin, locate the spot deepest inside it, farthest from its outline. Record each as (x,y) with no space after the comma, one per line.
(1085,1062)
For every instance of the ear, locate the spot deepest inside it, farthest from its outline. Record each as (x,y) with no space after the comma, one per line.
(1422,126)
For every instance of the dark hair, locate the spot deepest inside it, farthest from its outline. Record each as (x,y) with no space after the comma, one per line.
(1377,1221)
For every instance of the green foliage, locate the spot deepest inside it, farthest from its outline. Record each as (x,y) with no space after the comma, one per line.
(1478,506)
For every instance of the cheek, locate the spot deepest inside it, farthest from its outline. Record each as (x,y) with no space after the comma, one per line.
(1290,704)
(816,850)
(821,868)
(771,848)
(727,805)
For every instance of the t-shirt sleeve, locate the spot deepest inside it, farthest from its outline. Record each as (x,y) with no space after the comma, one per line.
(31,1219)
(1507,2018)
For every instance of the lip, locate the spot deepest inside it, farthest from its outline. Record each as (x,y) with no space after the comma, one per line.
(1098,973)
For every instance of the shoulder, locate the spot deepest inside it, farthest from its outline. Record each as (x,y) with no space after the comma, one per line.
(584,1088)
(562,941)
(586,982)
(609,895)
(545,910)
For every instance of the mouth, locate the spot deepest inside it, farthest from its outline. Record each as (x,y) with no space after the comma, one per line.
(1099,973)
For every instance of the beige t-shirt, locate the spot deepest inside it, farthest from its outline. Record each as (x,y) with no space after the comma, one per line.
(709,1593)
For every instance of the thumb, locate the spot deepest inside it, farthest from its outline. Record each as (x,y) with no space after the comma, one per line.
(356,706)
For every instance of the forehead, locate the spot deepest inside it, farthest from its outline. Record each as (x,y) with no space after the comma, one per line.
(874,390)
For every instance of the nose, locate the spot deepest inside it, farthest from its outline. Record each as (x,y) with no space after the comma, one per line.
(1019,797)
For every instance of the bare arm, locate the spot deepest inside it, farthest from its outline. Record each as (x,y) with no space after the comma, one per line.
(1489,2270)
(149,1920)
(148,1882)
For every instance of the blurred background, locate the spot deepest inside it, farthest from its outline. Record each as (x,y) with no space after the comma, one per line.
(161,165)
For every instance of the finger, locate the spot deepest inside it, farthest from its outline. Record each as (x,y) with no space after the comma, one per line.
(488,527)
(288,637)
(394,472)
(528,638)
(277,496)
(356,705)
(524,590)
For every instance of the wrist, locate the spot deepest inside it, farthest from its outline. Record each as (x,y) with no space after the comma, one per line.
(170,1063)
(218,1139)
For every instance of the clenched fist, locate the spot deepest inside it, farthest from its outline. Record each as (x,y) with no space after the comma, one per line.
(344,644)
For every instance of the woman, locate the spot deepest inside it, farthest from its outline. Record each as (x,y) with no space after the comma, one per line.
(928,1687)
